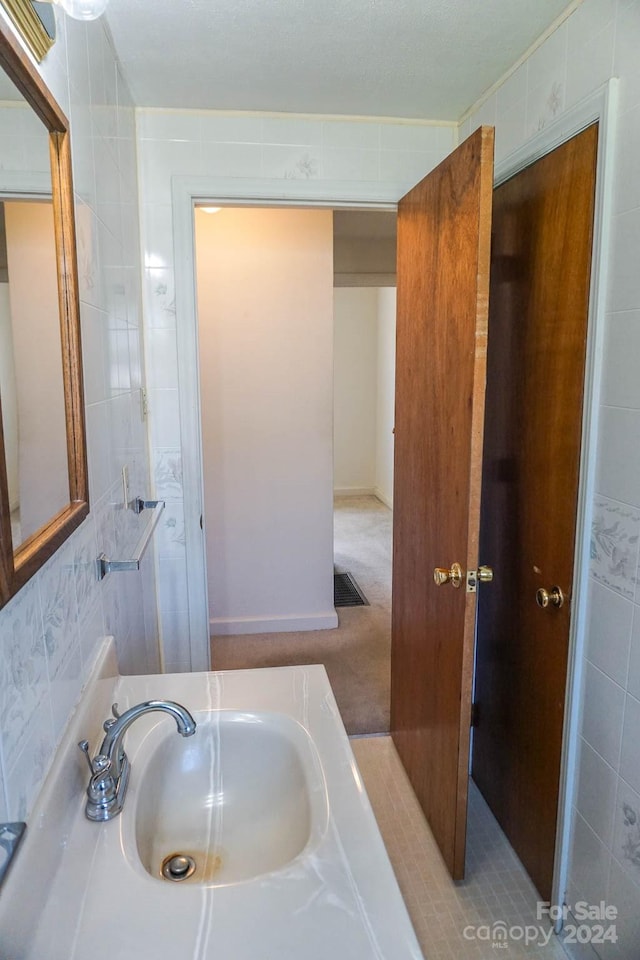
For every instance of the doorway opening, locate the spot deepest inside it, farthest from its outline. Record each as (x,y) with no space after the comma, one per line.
(268,347)
(364,250)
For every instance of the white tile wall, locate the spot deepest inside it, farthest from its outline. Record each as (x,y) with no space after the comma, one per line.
(191,143)
(609,632)
(599,40)
(615,534)
(602,720)
(626,838)
(633,684)
(590,866)
(624,893)
(630,751)
(621,384)
(596,796)
(50,630)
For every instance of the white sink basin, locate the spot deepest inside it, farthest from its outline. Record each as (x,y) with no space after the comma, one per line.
(267,799)
(235,798)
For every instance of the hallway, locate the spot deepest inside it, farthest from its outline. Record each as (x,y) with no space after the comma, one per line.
(357,654)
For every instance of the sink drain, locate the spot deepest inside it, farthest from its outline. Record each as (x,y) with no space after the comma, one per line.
(178,866)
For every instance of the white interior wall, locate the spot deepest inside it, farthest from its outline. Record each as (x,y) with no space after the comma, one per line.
(364,391)
(9,397)
(42,451)
(355,390)
(385,393)
(363,261)
(601,39)
(265,315)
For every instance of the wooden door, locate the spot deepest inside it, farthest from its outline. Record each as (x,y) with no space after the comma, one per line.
(542,235)
(444,234)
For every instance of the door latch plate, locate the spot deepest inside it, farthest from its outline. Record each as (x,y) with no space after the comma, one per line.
(482,574)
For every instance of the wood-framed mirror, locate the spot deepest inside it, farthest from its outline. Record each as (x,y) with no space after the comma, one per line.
(43,465)
(28,20)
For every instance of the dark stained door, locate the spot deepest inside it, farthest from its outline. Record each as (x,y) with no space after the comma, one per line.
(444,227)
(540,271)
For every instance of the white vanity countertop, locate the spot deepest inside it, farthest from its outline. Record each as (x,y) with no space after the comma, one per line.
(338,899)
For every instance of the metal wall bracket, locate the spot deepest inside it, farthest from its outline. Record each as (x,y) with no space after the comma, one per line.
(105,566)
(138,505)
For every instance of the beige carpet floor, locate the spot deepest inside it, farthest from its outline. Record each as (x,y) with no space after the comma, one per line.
(357,654)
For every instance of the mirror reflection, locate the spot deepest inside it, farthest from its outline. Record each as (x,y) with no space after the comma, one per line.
(31,381)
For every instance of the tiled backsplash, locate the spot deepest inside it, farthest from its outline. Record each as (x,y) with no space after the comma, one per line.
(49,632)
(599,40)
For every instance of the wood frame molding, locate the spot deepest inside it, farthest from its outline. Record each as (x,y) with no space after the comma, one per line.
(30,26)
(16,568)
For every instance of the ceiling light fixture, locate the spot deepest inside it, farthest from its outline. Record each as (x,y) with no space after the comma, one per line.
(82,9)
(210,209)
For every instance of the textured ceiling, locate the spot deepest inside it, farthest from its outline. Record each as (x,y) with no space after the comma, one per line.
(426,59)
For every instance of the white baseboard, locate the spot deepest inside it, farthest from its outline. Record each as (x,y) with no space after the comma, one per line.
(234,626)
(354,492)
(388,502)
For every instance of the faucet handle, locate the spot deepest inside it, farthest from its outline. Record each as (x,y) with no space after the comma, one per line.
(102,787)
(84,746)
(109,722)
(102,791)
(99,764)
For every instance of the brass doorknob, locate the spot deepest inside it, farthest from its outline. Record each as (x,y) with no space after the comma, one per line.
(443,575)
(485,574)
(549,598)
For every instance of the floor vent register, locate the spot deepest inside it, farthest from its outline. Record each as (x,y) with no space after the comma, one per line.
(346,592)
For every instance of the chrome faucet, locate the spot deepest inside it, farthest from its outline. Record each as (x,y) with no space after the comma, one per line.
(110,767)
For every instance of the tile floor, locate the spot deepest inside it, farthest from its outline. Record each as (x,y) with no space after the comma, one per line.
(496,888)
